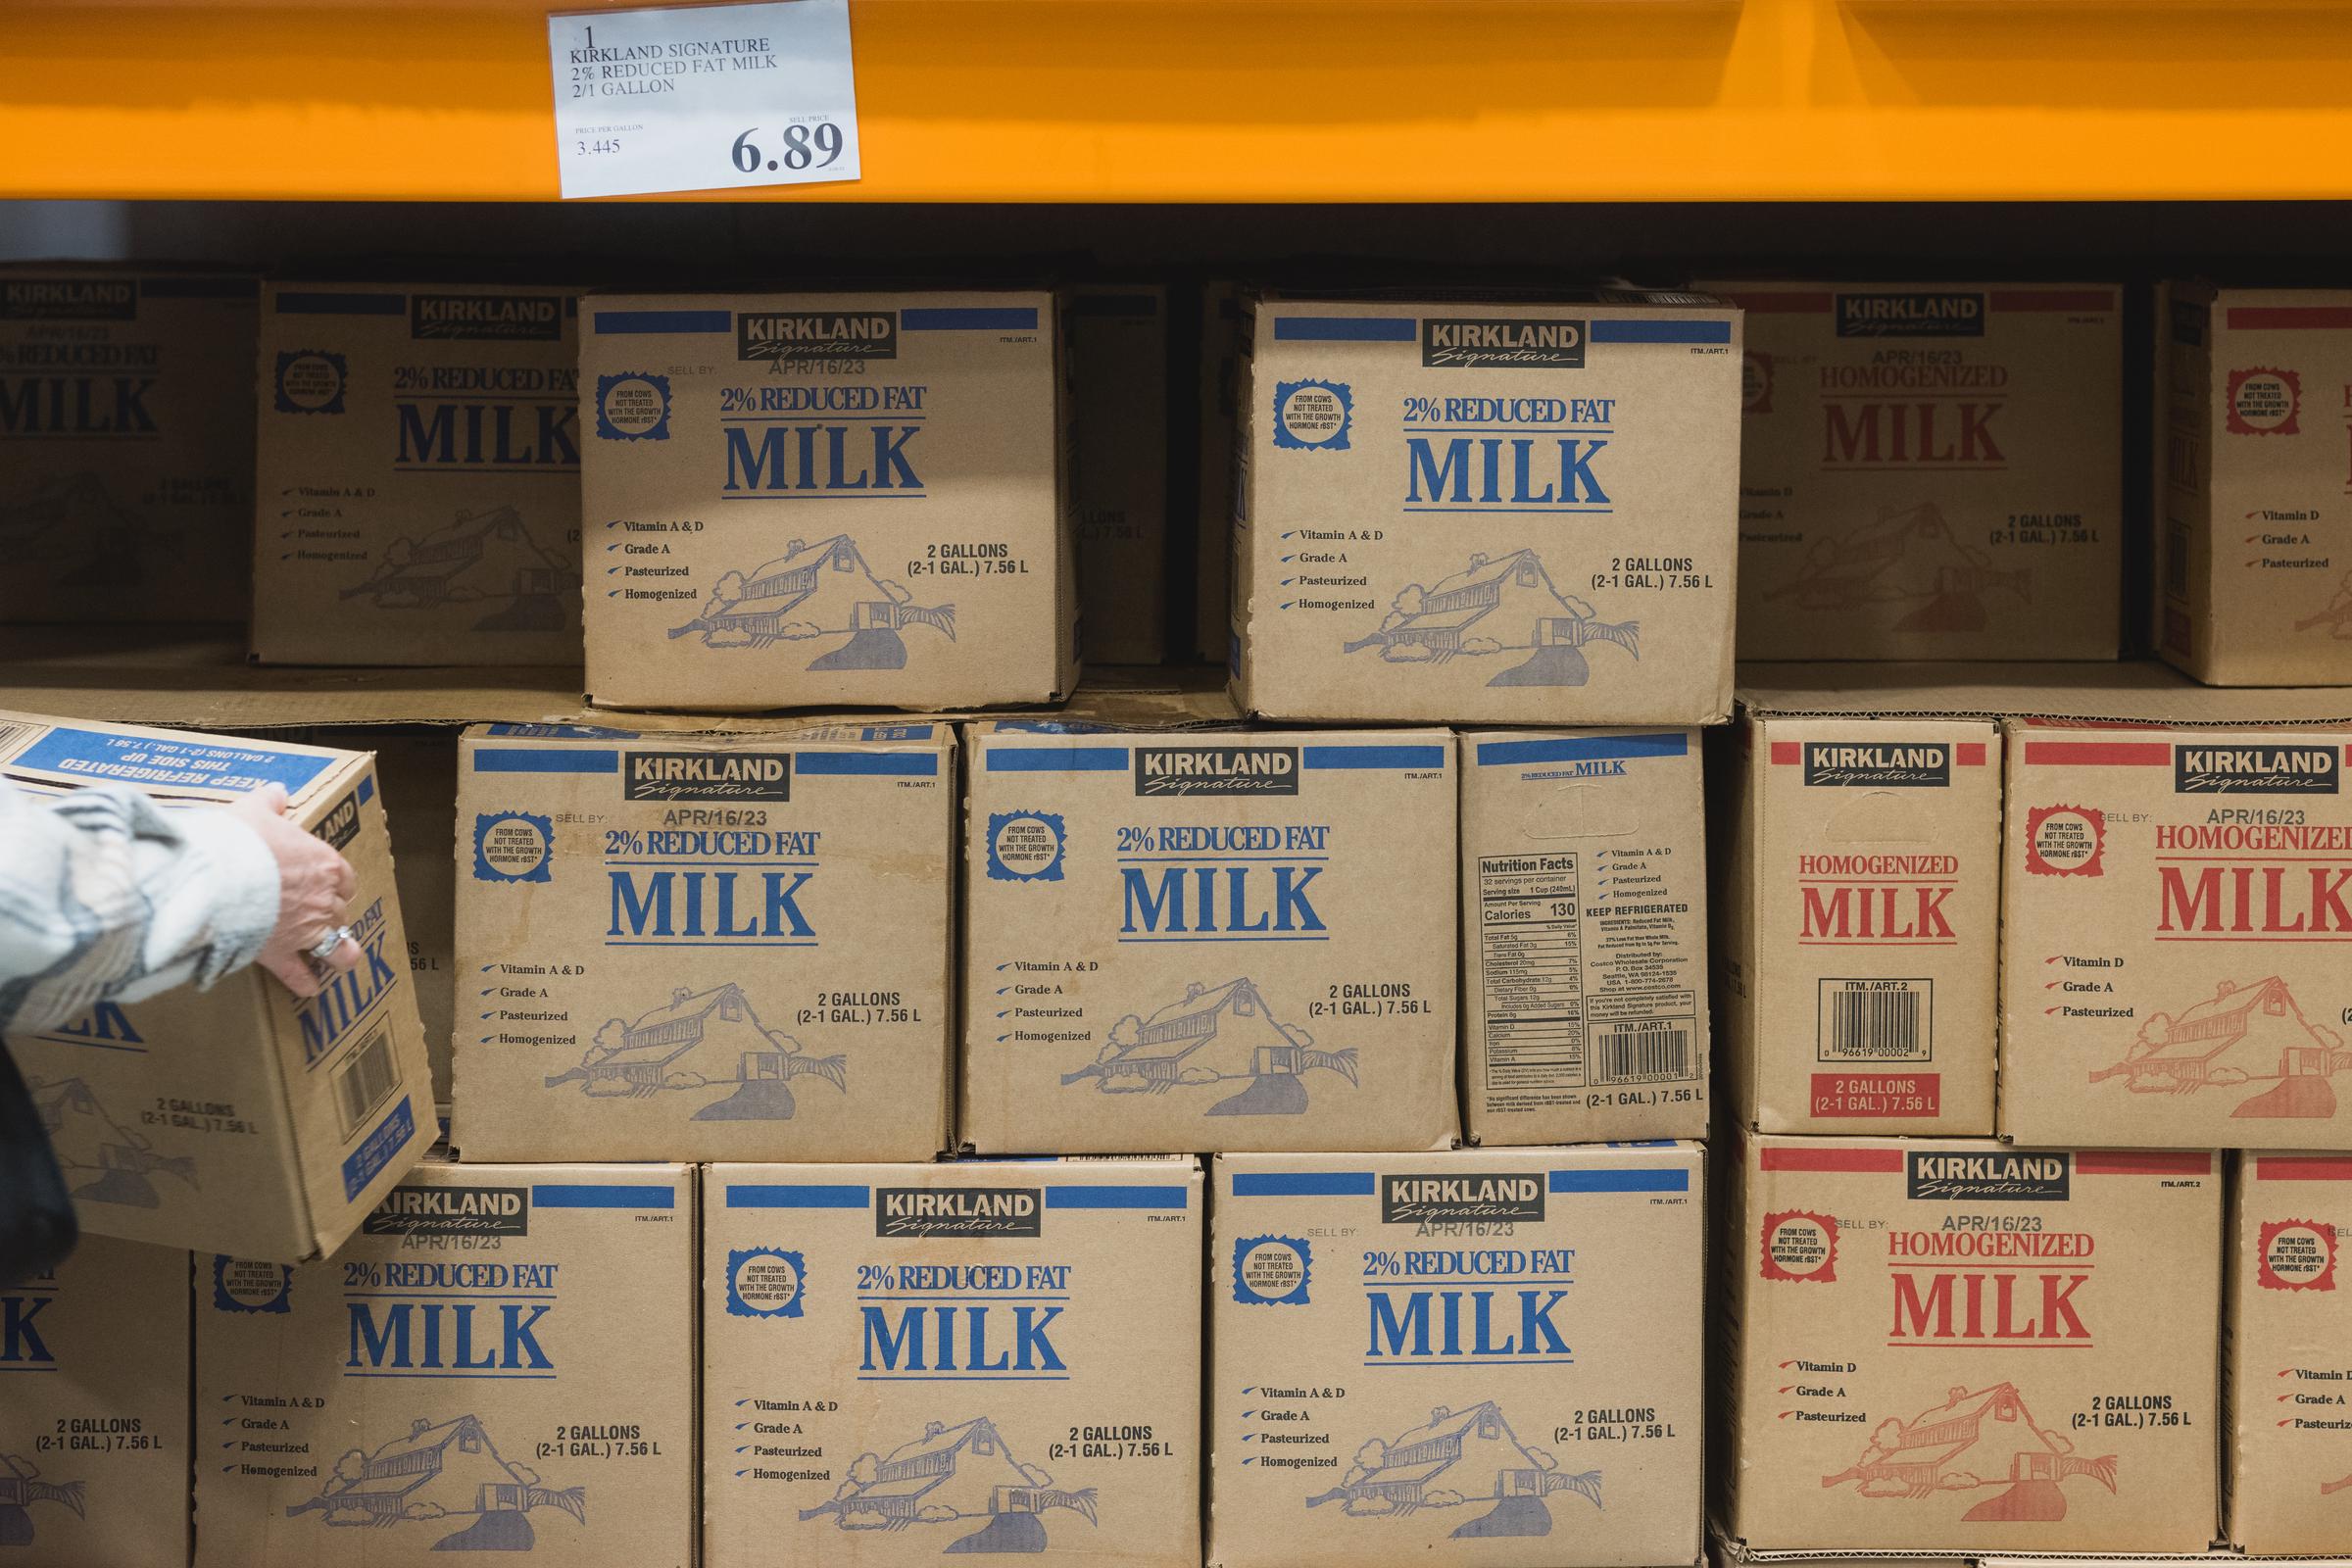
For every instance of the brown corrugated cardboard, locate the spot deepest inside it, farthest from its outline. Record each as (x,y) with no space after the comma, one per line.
(94,1421)
(1584,886)
(2290,1356)
(902,1362)
(1205,939)
(503,1360)
(2256,526)
(1489,512)
(1118,365)
(736,445)
(2174,910)
(1865,1275)
(125,443)
(418,484)
(418,767)
(239,1117)
(1223,321)
(696,945)
(1535,1317)
(1931,471)
(1859,902)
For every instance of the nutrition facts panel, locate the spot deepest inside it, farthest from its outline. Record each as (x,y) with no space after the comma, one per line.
(1544,1033)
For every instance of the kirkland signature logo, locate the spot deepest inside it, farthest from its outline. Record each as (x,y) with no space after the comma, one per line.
(1461,1200)
(1216,770)
(1914,767)
(707,776)
(2255,769)
(793,335)
(958,1212)
(68,299)
(1505,343)
(1990,1178)
(452,1211)
(1910,315)
(487,318)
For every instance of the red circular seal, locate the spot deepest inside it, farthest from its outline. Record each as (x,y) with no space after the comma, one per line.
(2297,1254)
(1800,1246)
(2064,841)
(2264,401)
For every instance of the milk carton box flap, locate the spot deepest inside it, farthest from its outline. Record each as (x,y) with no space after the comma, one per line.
(171,765)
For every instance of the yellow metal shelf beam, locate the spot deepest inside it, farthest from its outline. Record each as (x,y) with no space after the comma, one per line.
(1247,100)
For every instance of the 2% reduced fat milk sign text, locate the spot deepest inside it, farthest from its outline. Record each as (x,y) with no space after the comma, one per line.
(703,97)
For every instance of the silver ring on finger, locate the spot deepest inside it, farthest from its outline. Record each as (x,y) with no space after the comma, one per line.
(324,947)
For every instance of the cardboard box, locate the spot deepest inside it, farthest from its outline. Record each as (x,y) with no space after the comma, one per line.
(125,444)
(418,767)
(2258,560)
(420,475)
(1860,900)
(1489,512)
(238,1117)
(1224,325)
(736,444)
(1119,469)
(2290,1356)
(2174,916)
(1548,1305)
(1931,472)
(1208,939)
(704,945)
(1865,1275)
(1584,936)
(902,1362)
(94,1455)
(503,1360)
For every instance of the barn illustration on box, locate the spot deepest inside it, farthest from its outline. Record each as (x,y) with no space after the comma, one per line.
(486,557)
(812,591)
(1499,605)
(950,1474)
(1459,1459)
(451,1473)
(2336,619)
(76,515)
(703,1040)
(1907,558)
(1951,1446)
(21,1487)
(2239,1037)
(1217,1034)
(102,1160)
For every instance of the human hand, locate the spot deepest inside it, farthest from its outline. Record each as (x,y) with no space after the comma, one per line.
(314,884)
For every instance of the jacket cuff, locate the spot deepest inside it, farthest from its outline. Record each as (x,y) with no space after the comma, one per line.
(240,875)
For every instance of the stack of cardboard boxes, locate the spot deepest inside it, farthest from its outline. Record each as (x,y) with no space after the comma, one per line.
(1031,1130)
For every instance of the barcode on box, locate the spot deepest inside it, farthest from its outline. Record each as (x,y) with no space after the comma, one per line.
(1641,1052)
(1876,1020)
(10,735)
(366,1079)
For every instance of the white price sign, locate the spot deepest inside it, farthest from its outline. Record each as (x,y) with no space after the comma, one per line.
(703,97)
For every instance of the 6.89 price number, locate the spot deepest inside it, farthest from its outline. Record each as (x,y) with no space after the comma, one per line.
(804,146)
